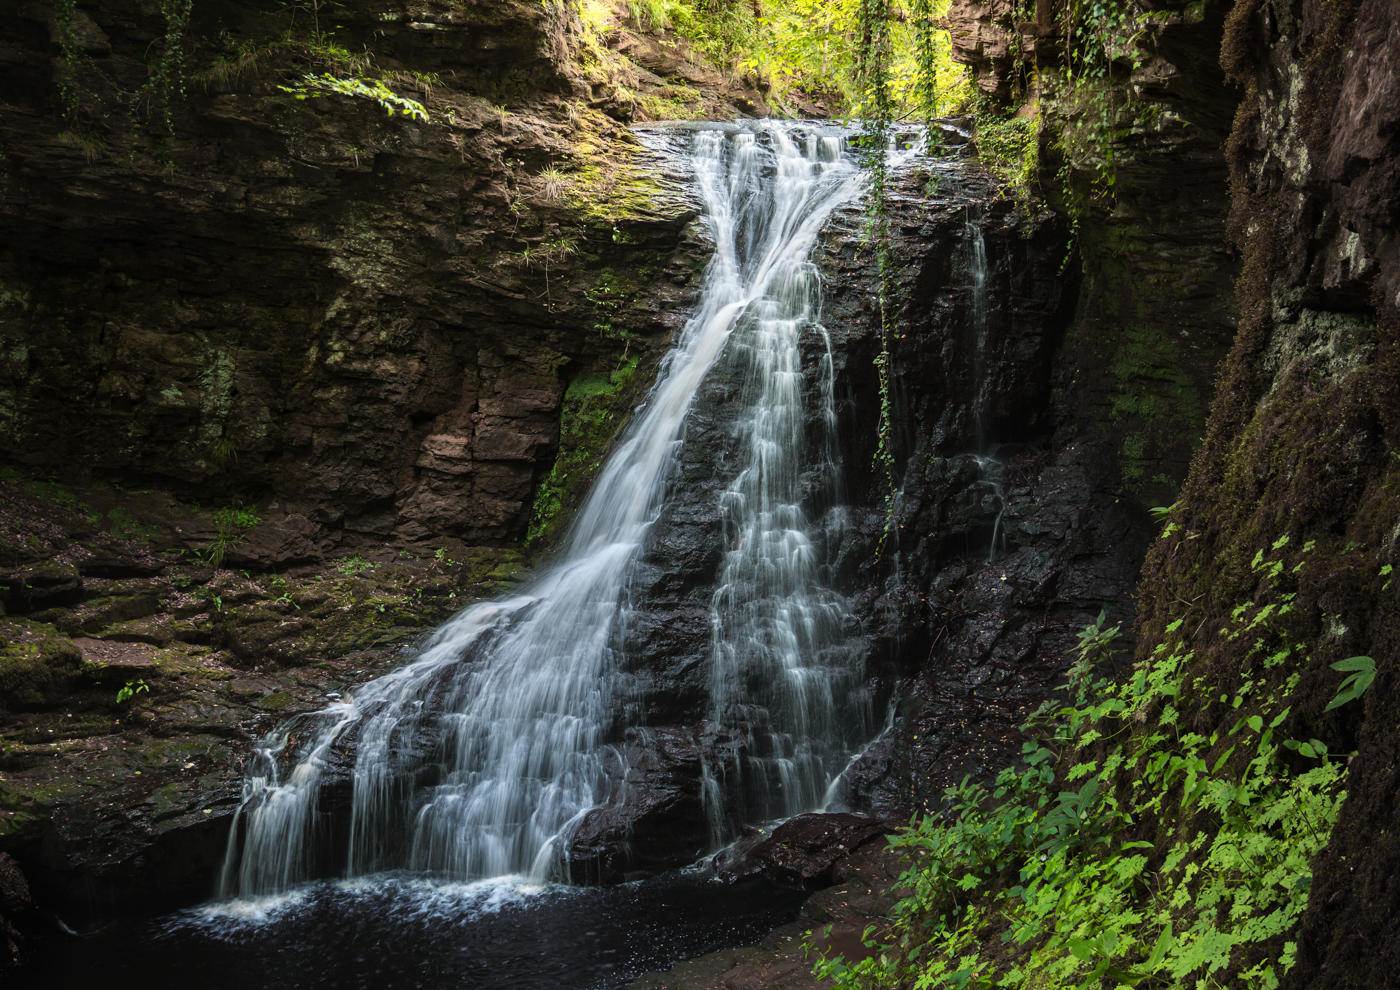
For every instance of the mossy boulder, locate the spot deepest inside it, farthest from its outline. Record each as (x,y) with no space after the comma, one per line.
(37,667)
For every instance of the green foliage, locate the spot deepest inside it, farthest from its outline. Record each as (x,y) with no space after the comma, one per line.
(608,296)
(554,184)
(316,56)
(816,45)
(312,86)
(79,76)
(224,452)
(131,689)
(1008,146)
(231,522)
(1162,514)
(232,519)
(1050,860)
(1363,672)
(350,566)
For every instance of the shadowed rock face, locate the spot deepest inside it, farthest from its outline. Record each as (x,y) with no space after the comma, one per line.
(362,324)
(802,852)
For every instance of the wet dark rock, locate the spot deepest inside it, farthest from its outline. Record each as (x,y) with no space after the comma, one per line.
(278,544)
(802,852)
(14,889)
(14,900)
(656,819)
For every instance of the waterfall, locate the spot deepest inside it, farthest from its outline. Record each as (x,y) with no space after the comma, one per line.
(481,756)
(781,670)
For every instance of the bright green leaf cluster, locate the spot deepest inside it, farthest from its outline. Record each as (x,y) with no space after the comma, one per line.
(1055,868)
(369,89)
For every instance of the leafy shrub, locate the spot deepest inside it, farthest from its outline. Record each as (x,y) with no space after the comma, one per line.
(1050,861)
(351,566)
(312,86)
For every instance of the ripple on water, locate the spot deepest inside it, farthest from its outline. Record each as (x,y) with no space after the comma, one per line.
(415,931)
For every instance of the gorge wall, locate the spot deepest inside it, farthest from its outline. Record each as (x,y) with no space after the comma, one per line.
(1298,452)
(395,342)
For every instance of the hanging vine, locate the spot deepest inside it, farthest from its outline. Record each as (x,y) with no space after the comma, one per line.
(877,113)
(924,16)
(166,69)
(75,60)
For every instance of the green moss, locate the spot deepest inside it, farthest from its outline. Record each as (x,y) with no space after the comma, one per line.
(37,673)
(593,413)
(1147,384)
(673,103)
(121,525)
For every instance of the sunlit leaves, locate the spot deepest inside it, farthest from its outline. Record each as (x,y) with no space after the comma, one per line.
(1085,903)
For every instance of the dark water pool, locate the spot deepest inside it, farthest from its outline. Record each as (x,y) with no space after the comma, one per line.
(406,931)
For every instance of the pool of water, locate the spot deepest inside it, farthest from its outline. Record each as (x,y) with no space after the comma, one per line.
(400,930)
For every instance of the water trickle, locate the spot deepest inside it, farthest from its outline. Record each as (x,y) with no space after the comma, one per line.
(481,757)
(992,473)
(975,260)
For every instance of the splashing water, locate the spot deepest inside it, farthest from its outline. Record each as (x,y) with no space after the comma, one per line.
(481,757)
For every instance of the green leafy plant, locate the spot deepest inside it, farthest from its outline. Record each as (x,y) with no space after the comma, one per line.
(553,184)
(1050,858)
(351,566)
(131,689)
(312,86)
(1363,672)
(231,523)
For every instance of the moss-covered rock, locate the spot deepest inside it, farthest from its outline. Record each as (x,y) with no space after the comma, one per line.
(38,667)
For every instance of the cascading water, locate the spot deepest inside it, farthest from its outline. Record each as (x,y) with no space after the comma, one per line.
(975,246)
(782,672)
(480,757)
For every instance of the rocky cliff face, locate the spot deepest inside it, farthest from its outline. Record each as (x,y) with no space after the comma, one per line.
(389,337)
(1009,531)
(363,324)
(1303,432)
(280,326)
(1298,450)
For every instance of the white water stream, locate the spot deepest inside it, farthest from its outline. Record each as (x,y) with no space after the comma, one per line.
(480,758)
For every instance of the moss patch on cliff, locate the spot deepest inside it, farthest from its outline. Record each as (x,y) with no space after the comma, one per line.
(595,410)
(1144,378)
(38,666)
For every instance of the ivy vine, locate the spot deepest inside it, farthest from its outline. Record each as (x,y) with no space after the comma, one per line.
(877,114)
(166,68)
